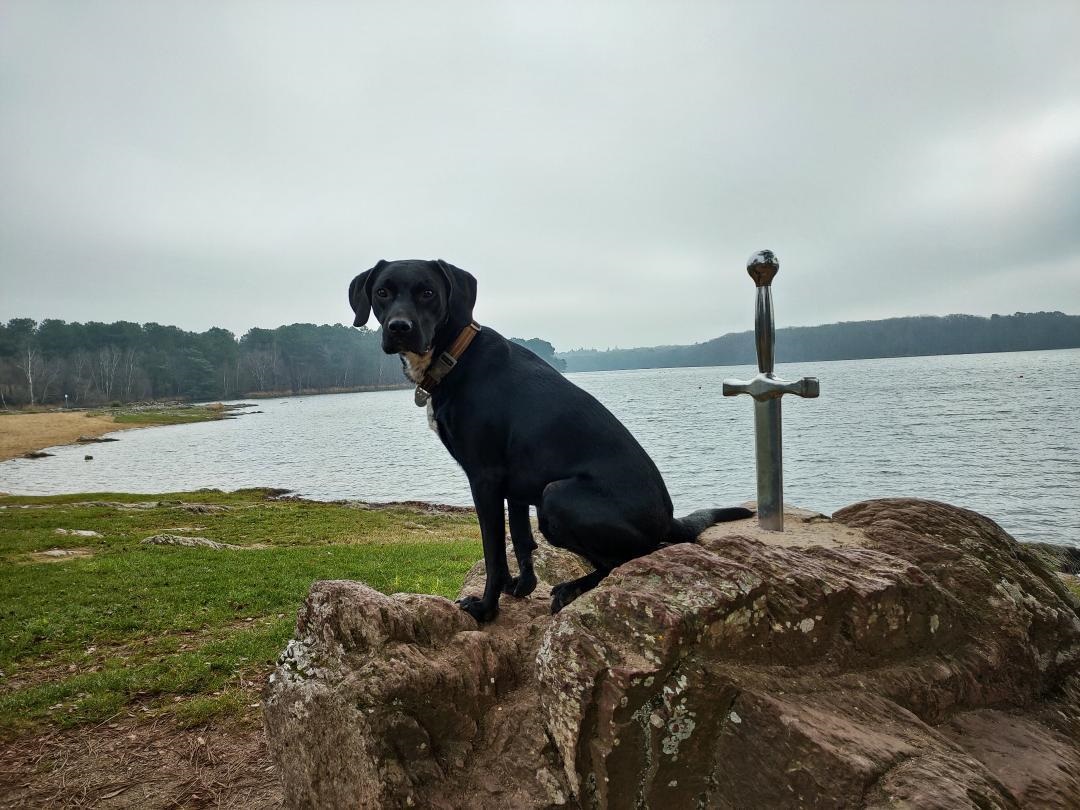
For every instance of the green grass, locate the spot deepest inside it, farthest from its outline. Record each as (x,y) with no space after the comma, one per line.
(190,632)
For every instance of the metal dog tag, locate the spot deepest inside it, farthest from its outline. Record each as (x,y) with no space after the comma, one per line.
(421,397)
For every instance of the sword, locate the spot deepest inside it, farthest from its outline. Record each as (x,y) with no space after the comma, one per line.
(767,389)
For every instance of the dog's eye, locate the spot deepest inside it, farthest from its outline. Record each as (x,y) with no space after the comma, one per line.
(426,294)
(382,292)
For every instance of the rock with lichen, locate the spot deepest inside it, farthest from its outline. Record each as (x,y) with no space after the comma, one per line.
(902,653)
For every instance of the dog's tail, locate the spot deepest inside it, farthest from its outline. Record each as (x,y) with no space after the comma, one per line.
(687,529)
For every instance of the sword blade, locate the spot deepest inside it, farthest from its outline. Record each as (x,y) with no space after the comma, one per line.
(770,467)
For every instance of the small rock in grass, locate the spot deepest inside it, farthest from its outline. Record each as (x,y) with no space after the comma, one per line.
(77,532)
(191,542)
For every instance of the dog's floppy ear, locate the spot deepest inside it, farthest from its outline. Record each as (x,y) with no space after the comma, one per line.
(462,288)
(360,293)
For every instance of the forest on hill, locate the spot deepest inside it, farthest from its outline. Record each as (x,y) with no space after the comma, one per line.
(101,363)
(893,337)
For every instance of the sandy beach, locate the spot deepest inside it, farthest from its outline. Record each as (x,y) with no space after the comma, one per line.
(22,433)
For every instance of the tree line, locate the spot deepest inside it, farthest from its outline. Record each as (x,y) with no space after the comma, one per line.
(89,364)
(893,337)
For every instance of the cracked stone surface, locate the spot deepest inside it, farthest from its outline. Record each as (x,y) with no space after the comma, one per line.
(902,653)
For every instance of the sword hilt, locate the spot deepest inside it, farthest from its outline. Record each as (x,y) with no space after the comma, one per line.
(767,389)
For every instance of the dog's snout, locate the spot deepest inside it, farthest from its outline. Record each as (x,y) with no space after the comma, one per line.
(400,326)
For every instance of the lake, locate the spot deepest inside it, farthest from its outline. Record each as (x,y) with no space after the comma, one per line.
(997,433)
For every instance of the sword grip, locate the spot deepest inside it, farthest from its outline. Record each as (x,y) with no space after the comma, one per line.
(764,331)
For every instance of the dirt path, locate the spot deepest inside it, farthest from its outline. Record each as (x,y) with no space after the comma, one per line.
(26,432)
(147,764)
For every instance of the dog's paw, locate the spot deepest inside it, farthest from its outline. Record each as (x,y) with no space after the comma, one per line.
(475,607)
(521,586)
(562,595)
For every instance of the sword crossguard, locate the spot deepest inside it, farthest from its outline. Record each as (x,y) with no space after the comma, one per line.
(766,386)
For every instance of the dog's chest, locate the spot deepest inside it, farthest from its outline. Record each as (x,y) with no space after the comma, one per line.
(415,365)
(430,411)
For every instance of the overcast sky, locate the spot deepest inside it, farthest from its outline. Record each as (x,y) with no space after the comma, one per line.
(604,169)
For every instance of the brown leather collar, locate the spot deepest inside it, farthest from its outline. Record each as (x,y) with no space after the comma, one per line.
(444,363)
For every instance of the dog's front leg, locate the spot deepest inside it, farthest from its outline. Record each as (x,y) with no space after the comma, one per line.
(489,511)
(524,545)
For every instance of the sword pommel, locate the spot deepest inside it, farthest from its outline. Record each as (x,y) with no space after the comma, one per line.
(763,267)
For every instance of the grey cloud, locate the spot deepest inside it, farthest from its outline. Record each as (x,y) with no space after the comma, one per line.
(604,170)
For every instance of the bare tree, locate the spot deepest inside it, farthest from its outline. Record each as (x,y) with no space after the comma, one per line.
(129,377)
(29,361)
(106,365)
(261,364)
(47,375)
(83,375)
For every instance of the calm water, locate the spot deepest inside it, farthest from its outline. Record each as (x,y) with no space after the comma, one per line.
(998,433)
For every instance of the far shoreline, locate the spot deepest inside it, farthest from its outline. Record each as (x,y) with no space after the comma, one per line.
(318,392)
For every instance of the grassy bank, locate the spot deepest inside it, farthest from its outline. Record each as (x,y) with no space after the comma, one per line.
(170,414)
(95,628)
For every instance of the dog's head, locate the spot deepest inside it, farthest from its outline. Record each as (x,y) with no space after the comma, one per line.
(414,302)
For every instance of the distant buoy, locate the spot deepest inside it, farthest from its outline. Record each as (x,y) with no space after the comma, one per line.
(88,458)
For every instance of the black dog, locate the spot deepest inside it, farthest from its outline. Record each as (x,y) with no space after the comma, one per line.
(524,436)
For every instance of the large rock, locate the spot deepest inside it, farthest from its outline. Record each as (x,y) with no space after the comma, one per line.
(903,653)
(403,701)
